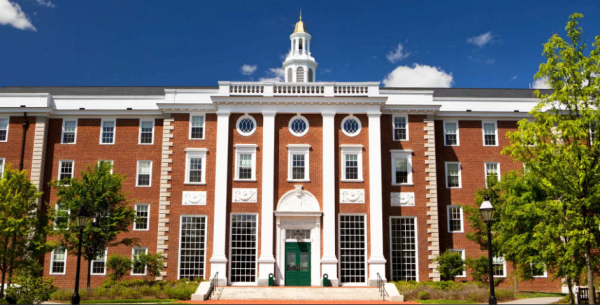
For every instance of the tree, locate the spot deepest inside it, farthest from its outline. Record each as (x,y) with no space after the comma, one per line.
(30,287)
(119,265)
(153,263)
(450,264)
(562,146)
(100,192)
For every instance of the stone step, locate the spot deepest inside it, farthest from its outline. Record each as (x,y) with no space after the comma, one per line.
(306,293)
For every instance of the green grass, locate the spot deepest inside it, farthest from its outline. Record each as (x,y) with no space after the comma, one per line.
(533,294)
(444,302)
(125,301)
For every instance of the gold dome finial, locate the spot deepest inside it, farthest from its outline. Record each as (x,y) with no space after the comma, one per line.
(300,15)
(300,27)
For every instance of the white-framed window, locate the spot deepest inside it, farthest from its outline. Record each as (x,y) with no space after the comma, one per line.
(492,169)
(291,235)
(197,121)
(490,133)
(58,261)
(65,170)
(499,265)
(455,219)
(135,252)
(451,133)
(453,179)
(69,131)
(351,163)
(146,132)
(195,165)
(246,125)
(351,126)
(192,247)
(142,217)
(400,127)
(61,215)
(108,131)
(462,255)
(245,162)
(401,167)
(111,162)
(298,162)
(404,248)
(538,270)
(4,122)
(353,248)
(99,263)
(144,173)
(2,162)
(243,248)
(298,125)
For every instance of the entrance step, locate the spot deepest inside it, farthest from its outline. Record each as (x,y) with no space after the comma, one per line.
(300,293)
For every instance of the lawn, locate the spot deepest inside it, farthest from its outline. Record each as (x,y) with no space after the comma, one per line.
(533,294)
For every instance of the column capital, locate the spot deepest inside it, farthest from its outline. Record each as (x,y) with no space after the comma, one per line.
(373,114)
(269,113)
(223,113)
(328,113)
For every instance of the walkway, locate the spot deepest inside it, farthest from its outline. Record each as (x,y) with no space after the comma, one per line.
(290,302)
(548,300)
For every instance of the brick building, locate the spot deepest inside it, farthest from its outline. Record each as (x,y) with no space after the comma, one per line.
(297,179)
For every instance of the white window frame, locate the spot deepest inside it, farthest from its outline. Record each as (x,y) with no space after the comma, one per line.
(545,275)
(205,243)
(485,170)
(245,149)
(339,250)
(52,262)
(60,162)
(503,267)
(402,154)
(237,123)
(299,149)
(137,174)
(195,153)
(256,248)
(462,219)
(112,163)
(3,160)
(105,263)
(202,114)
(54,220)
(350,149)
(62,134)
(133,257)
(416,244)
(7,127)
(148,222)
(140,133)
(459,175)
(351,117)
(483,131)
(114,139)
(457,133)
(301,133)
(405,116)
(462,254)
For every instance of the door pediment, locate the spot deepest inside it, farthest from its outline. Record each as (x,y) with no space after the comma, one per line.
(298,201)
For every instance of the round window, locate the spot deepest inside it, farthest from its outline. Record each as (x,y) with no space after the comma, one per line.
(246,125)
(351,126)
(298,126)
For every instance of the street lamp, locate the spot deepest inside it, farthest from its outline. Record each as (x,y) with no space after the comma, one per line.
(82,219)
(487,212)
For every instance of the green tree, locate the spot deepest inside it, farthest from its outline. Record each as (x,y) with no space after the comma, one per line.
(450,264)
(29,286)
(154,264)
(119,265)
(562,146)
(100,191)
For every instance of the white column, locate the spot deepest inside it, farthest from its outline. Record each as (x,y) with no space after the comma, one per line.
(329,262)
(218,261)
(376,261)
(266,262)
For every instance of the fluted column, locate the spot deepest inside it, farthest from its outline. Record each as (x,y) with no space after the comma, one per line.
(329,262)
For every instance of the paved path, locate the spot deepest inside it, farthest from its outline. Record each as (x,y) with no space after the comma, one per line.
(290,302)
(548,300)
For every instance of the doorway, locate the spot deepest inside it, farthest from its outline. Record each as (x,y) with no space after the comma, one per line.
(297,264)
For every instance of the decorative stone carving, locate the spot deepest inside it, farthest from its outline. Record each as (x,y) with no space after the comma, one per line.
(298,200)
(403,199)
(194,198)
(352,196)
(244,195)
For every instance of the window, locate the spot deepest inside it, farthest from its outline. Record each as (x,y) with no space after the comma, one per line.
(404,248)
(111,162)
(197,126)
(300,71)
(142,217)
(1,167)
(401,167)
(289,75)
(455,221)
(492,169)
(499,266)
(138,269)
(353,248)
(195,167)
(146,132)
(400,128)
(59,261)
(69,132)
(490,134)
(351,126)
(453,175)
(4,129)
(538,270)
(351,163)
(99,263)
(298,162)
(298,125)
(451,134)
(192,247)
(61,218)
(107,135)
(311,75)
(144,173)
(462,254)
(245,164)
(65,170)
(246,125)
(243,247)
(291,234)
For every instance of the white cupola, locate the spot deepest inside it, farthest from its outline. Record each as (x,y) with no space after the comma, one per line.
(299,66)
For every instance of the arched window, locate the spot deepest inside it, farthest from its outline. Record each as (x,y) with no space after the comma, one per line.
(300,75)
(311,76)
(300,44)
(289,75)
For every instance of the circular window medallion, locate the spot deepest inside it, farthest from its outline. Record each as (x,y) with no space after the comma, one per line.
(298,126)
(351,126)
(246,125)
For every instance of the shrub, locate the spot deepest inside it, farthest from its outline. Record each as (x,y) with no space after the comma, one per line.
(62,295)
(28,287)
(450,264)
(154,263)
(450,290)
(119,265)
(423,295)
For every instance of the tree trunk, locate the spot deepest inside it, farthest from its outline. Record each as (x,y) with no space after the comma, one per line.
(89,273)
(516,277)
(2,288)
(12,258)
(590,273)
(570,285)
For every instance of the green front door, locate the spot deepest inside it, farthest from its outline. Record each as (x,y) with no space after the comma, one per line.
(297,264)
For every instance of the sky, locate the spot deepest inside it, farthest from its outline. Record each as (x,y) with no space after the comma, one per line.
(402,43)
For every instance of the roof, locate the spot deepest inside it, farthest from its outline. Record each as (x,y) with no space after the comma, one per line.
(477,92)
(115,91)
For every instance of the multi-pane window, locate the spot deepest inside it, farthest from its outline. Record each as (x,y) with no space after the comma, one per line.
(59,261)
(108,132)
(197,127)
(245,166)
(245,155)
(401,171)
(492,170)
(401,167)
(192,247)
(61,217)
(404,248)
(489,134)
(144,173)
(297,234)
(538,270)
(353,250)
(244,241)
(351,166)
(462,255)
(451,133)
(65,171)
(453,175)
(351,126)
(142,217)
(298,167)
(1,167)
(109,162)
(499,265)
(146,132)
(69,131)
(298,162)
(138,268)
(4,130)
(400,128)
(195,165)
(455,222)
(99,263)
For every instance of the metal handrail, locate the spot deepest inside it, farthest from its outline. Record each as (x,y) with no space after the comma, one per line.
(380,286)
(213,286)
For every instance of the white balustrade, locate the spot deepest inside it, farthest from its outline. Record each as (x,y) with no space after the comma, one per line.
(301,89)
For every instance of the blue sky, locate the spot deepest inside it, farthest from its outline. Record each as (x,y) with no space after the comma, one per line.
(496,44)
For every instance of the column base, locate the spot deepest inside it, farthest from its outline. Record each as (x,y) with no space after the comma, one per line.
(329,266)
(266,267)
(219,264)
(376,266)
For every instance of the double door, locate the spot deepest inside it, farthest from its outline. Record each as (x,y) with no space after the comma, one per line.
(297,264)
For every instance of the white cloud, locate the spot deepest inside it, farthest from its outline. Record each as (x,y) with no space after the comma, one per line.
(45,3)
(541,83)
(397,55)
(248,69)
(418,76)
(513,78)
(482,39)
(11,14)
(489,61)
(273,75)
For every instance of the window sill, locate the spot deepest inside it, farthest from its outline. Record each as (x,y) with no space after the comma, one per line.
(454,232)
(105,274)
(107,143)
(145,143)
(298,180)
(457,145)
(196,139)
(402,140)
(353,180)
(194,183)
(142,230)
(64,143)
(143,186)
(57,273)
(490,145)
(137,275)
(244,180)
(403,184)
(454,188)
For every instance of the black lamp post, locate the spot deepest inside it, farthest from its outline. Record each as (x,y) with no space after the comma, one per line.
(82,219)
(487,212)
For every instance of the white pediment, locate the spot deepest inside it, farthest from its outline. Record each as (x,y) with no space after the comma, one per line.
(298,200)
